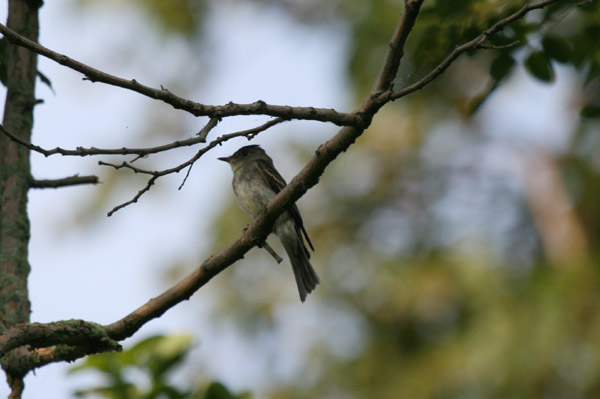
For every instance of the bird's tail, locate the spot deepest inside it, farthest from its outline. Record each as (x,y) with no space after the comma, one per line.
(306,277)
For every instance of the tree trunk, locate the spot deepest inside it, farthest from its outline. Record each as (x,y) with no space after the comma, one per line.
(15,175)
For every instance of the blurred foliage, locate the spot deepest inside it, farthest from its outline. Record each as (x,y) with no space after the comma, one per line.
(443,270)
(174,17)
(456,328)
(143,371)
(440,277)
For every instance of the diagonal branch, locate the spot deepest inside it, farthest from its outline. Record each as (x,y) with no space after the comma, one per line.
(202,134)
(135,199)
(262,225)
(196,109)
(298,186)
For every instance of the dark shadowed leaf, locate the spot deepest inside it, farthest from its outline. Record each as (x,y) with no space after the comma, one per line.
(501,66)
(557,48)
(216,390)
(540,66)
(590,111)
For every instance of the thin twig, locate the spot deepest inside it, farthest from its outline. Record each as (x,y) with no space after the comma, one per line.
(127,165)
(84,152)
(249,134)
(64,182)
(498,47)
(202,134)
(137,196)
(16,139)
(186,176)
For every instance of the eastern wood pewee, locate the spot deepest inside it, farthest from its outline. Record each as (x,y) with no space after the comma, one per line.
(255,183)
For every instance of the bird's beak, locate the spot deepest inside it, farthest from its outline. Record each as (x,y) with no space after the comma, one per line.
(225,159)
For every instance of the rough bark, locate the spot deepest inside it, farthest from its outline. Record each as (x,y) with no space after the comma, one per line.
(15,174)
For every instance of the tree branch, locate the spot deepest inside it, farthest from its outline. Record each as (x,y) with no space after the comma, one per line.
(202,134)
(396,46)
(142,152)
(37,335)
(473,44)
(30,359)
(24,347)
(25,358)
(67,181)
(196,109)
(84,152)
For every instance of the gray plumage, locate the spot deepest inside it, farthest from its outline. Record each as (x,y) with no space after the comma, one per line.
(255,183)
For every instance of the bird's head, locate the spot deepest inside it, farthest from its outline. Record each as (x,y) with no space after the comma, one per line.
(245,155)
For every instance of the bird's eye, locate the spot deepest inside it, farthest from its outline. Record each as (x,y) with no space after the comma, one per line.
(244,153)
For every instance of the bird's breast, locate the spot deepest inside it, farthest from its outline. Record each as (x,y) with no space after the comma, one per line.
(251,193)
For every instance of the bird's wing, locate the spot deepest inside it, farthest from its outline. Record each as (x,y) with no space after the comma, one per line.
(271,176)
(276,182)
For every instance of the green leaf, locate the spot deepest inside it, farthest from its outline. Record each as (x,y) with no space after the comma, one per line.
(216,390)
(540,66)
(590,111)
(585,45)
(501,66)
(557,48)
(108,363)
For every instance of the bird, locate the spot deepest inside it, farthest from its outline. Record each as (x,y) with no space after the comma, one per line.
(255,183)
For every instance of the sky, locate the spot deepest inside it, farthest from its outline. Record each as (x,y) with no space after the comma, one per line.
(89,266)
